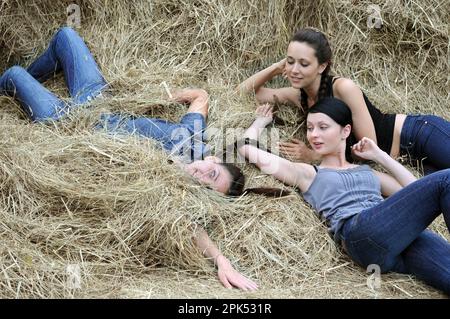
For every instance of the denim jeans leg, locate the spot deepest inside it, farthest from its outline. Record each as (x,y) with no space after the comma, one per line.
(38,102)
(428,258)
(426,139)
(67,51)
(381,234)
(435,143)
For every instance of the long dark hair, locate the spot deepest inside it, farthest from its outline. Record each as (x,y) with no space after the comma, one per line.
(238,183)
(319,42)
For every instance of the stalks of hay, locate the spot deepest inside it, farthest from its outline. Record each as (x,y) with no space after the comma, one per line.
(111,209)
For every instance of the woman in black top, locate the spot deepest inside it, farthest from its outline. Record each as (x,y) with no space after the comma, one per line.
(307,66)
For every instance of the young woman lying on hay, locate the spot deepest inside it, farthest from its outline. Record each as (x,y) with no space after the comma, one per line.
(68,53)
(307,66)
(390,233)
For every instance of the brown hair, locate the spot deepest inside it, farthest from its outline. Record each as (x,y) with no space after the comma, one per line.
(238,183)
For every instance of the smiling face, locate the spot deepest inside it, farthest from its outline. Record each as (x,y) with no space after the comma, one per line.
(325,135)
(302,66)
(211,173)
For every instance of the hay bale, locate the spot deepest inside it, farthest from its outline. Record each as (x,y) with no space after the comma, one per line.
(117,211)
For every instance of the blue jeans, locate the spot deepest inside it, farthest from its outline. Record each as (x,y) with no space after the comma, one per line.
(426,137)
(183,139)
(66,52)
(393,234)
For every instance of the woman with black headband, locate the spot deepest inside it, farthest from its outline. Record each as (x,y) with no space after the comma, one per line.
(422,138)
(391,232)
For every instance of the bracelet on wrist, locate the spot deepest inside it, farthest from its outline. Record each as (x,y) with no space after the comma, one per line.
(249,141)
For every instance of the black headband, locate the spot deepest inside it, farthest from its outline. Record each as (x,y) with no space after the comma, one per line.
(334,108)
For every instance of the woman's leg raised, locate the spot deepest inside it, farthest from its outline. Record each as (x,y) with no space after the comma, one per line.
(382,234)
(68,52)
(38,102)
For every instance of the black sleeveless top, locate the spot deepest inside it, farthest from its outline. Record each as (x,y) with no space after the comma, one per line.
(384,123)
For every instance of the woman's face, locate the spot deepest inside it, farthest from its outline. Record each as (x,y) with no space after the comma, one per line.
(324,134)
(302,65)
(210,173)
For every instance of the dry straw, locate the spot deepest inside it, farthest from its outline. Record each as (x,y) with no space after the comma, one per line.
(113,211)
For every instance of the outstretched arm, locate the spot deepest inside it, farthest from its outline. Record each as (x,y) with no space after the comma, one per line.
(197,98)
(255,84)
(228,276)
(295,174)
(368,149)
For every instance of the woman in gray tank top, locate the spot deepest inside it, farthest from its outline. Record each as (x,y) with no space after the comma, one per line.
(390,233)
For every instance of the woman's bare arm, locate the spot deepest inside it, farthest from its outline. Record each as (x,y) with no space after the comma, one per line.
(228,276)
(255,84)
(294,174)
(367,149)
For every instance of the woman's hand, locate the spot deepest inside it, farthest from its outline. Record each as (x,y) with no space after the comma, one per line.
(264,115)
(230,278)
(280,66)
(367,149)
(297,151)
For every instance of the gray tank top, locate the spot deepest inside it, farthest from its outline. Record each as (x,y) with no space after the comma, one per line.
(336,195)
